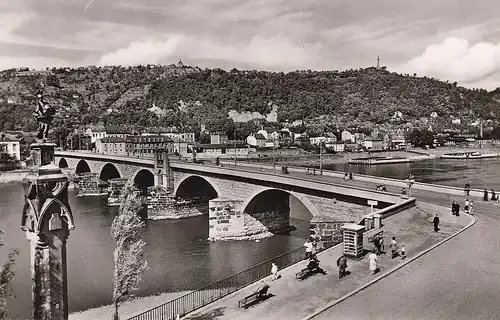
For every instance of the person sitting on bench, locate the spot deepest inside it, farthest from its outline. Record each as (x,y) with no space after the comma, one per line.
(314,267)
(262,290)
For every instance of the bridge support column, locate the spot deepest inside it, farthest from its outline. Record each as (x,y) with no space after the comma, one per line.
(225,219)
(47,221)
(166,171)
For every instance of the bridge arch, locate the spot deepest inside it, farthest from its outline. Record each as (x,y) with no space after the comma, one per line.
(195,186)
(109,171)
(62,163)
(82,167)
(143,179)
(271,210)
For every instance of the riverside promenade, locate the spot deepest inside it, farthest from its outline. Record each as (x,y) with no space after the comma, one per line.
(294,299)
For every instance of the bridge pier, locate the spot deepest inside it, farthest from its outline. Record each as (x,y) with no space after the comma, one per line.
(89,184)
(228,220)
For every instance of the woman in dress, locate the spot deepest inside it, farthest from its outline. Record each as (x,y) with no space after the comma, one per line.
(373,261)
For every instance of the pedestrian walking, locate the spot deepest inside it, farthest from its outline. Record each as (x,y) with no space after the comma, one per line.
(350,176)
(485,195)
(436,223)
(467,188)
(342,264)
(376,245)
(466,206)
(493,195)
(309,249)
(373,262)
(346,176)
(471,207)
(403,252)
(394,248)
(274,271)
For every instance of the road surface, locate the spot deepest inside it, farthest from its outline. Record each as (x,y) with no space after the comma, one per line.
(458,280)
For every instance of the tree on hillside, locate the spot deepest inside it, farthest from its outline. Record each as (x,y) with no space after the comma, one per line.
(130,260)
(421,138)
(7,274)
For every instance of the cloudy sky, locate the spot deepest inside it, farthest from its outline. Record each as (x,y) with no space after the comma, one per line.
(456,40)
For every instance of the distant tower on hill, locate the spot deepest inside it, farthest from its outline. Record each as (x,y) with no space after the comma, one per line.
(180,64)
(378,61)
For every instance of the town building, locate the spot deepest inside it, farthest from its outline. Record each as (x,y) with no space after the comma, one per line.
(374,144)
(337,146)
(96,131)
(147,145)
(218,138)
(257,140)
(10,145)
(111,146)
(226,150)
(116,131)
(348,136)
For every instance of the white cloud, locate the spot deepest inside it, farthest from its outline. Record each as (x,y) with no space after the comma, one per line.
(141,52)
(457,60)
(30,62)
(275,52)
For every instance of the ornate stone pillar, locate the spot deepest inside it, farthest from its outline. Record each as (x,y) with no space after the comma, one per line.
(47,221)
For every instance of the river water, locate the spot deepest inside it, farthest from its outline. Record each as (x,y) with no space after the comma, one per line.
(179,256)
(482,173)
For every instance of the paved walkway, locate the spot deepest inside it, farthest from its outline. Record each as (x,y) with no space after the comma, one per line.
(294,299)
(456,281)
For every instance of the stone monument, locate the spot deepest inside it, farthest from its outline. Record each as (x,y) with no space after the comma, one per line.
(47,221)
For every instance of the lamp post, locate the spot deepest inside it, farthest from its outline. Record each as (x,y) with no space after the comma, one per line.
(274,158)
(235,145)
(320,157)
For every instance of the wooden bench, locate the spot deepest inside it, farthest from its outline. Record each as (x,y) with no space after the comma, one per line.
(304,273)
(253,298)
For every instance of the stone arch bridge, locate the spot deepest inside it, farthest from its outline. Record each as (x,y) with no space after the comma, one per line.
(241,203)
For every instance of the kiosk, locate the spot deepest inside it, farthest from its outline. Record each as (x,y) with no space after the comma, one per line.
(353,240)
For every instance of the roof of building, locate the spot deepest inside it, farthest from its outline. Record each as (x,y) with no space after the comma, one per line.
(113,140)
(149,139)
(114,129)
(220,146)
(98,127)
(6,137)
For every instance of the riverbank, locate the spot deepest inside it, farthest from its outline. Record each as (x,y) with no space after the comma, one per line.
(127,309)
(344,157)
(438,152)
(13,176)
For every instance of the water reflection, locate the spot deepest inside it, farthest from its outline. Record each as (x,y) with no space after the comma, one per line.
(482,173)
(178,253)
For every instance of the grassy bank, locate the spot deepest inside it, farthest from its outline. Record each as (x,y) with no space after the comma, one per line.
(128,309)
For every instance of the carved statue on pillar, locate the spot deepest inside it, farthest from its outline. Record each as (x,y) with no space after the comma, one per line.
(47,221)
(44,114)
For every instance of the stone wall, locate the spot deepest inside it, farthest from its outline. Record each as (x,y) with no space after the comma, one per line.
(326,231)
(226,221)
(89,184)
(115,187)
(338,210)
(162,205)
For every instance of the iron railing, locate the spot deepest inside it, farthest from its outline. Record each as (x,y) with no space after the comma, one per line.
(206,295)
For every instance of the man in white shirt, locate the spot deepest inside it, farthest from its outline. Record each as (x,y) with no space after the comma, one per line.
(309,248)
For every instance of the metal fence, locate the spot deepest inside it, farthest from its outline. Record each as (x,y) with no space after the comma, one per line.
(206,295)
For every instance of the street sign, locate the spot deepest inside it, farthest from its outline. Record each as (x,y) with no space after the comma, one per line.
(372,202)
